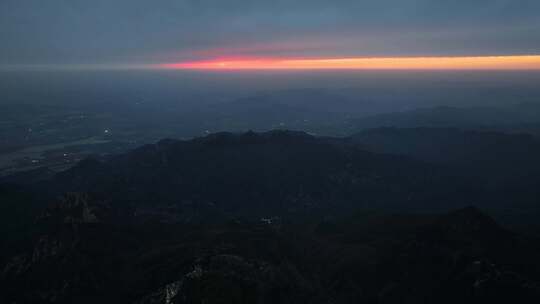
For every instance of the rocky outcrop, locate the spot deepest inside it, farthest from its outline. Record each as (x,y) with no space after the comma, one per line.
(233,279)
(76,208)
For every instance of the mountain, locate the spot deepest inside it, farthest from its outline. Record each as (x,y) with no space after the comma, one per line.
(274,217)
(320,111)
(522,117)
(291,174)
(461,256)
(277,172)
(495,156)
(452,145)
(506,165)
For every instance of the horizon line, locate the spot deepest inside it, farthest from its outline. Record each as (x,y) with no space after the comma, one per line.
(504,62)
(480,63)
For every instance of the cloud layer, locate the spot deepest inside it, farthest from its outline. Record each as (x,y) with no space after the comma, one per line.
(144,31)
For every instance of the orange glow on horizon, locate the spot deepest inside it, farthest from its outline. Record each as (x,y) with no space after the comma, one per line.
(529,62)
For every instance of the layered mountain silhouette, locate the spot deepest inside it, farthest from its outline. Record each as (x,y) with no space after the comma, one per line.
(278,217)
(264,173)
(506,165)
(491,151)
(522,117)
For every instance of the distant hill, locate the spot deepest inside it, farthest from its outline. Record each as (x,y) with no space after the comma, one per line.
(293,174)
(507,165)
(523,117)
(319,111)
(452,145)
(277,172)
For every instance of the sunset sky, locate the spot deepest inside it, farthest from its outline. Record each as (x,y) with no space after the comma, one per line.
(278,34)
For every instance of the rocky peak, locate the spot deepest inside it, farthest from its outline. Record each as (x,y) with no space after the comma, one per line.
(74,207)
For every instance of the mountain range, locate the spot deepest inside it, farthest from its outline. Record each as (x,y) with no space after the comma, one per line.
(383,216)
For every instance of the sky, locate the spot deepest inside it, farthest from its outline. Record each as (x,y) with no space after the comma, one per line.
(116,32)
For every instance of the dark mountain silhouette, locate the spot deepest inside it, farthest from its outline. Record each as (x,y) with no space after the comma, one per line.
(275,217)
(280,172)
(84,254)
(506,165)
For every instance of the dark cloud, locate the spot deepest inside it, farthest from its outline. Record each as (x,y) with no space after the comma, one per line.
(81,31)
